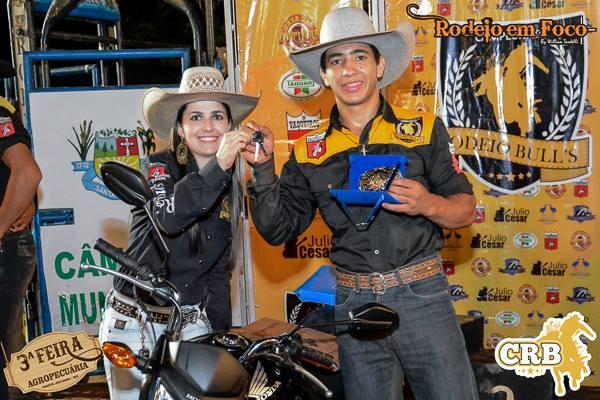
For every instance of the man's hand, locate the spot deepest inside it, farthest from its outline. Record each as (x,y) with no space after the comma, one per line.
(451,212)
(415,199)
(231,144)
(268,143)
(24,220)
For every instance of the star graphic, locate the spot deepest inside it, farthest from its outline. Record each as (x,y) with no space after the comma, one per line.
(521,176)
(529,174)
(510,177)
(499,176)
(491,175)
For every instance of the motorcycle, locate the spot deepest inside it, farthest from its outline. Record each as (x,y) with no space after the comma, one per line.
(220,365)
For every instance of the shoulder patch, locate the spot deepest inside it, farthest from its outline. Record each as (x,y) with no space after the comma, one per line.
(410,130)
(7,128)
(157,171)
(316,145)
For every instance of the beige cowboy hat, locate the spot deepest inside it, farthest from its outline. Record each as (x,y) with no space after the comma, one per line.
(160,108)
(352,25)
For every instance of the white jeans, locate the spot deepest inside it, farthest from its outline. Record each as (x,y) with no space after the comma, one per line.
(124,384)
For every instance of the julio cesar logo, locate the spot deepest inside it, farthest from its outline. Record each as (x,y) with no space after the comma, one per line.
(558,349)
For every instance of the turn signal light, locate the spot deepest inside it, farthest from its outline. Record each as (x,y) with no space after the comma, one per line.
(119,354)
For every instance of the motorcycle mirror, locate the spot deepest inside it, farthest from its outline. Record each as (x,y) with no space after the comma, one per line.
(373,317)
(126,183)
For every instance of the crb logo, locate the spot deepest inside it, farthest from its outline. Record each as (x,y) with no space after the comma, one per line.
(558,348)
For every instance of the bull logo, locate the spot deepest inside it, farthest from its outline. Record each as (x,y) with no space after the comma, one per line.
(513,105)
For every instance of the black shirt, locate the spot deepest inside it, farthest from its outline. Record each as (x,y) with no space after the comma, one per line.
(283,208)
(11,133)
(191,208)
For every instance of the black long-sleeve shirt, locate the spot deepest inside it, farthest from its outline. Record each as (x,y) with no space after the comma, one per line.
(191,209)
(283,208)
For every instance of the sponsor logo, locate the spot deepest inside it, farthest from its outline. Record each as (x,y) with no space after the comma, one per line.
(511,215)
(421,107)
(298,86)
(449,266)
(555,191)
(527,294)
(423,88)
(552,294)
(492,340)
(418,64)
(580,267)
(494,193)
(120,145)
(410,130)
(512,266)
(494,294)
(557,349)
(537,4)
(581,213)
(548,211)
(481,267)
(421,36)
(549,268)
(551,240)
(316,145)
(525,240)
(508,318)
(455,164)
(538,142)
(531,192)
(479,214)
(580,240)
(478,6)
(308,247)
(452,240)
(457,292)
(580,189)
(444,7)
(535,319)
(581,295)
(488,241)
(7,128)
(509,5)
(156,172)
(298,32)
(589,108)
(300,125)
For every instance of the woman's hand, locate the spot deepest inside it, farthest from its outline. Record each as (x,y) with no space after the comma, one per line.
(250,150)
(231,144)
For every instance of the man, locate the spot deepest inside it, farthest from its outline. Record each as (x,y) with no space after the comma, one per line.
(19,178)
(396,260)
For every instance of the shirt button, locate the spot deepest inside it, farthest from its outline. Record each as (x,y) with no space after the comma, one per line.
(329,186)
(209,237)
(200,261)
(376,252)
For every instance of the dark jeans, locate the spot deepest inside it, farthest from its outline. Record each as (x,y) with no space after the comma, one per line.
(428,347)
(17,265)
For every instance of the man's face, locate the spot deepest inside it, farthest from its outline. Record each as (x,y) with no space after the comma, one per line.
(352,72)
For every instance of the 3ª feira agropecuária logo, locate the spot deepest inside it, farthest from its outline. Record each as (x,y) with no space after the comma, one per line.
(512,96)
(558,349)
(111,144)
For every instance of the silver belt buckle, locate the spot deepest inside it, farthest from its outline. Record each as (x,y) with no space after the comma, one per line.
(381,290)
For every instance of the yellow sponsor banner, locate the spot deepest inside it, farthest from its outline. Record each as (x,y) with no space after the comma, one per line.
(291,105)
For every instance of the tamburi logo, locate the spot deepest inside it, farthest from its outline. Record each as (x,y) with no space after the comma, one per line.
(298,86)
(525,240)
(580,240)
(555,191)
(298,32)
(481,267)
(492,340)
(527,294)
(531,134)
(558,349)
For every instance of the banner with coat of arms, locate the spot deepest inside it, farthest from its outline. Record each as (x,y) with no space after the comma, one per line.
(514,83)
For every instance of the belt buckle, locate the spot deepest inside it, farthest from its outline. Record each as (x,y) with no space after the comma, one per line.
(377,290)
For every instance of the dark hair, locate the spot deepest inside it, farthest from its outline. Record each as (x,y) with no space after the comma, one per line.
(376,53)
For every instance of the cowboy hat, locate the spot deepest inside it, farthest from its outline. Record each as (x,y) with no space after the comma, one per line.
(352,25)
(160,108)
(6,69)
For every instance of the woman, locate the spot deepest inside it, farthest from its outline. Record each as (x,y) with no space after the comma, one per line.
(195,204)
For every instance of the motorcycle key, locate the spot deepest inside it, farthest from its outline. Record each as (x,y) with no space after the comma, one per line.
(258,138)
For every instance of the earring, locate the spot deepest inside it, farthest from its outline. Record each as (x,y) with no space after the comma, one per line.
(181,153)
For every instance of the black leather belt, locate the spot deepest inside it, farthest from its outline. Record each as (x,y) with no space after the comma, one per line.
(189,316)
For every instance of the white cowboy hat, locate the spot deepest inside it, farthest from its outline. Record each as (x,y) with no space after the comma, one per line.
(160,108)
(352,25)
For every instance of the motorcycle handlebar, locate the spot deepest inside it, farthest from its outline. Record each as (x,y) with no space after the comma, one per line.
(319,358)
(122,258)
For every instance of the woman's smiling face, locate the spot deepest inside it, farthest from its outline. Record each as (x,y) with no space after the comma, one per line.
(203,124)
